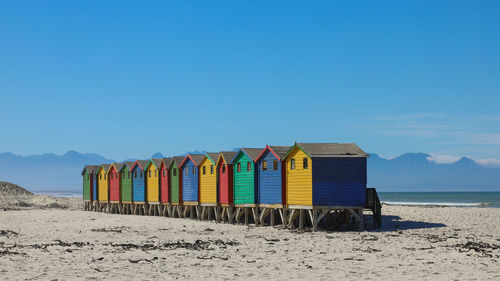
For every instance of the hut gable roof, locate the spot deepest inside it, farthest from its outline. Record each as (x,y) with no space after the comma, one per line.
(278,151)
(128,164)
(178,160)
(104,167)
(156,162)
(196,158)
(330,150)
(141,163)
(252,153)
(90,169)
(212,157)
(118,166)
(167,162)
(227,156)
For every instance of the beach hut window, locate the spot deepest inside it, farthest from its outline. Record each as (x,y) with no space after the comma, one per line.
(156,173)
(238,167)
(305,163)
(111,175)
(149,173)
(204,170)
(186,171)
(175,172)
(212,169)
(164,173)
(275,165)
(264,165)
(224,168)
(135,174)
(249,166)
(104,176)
(194,170)
(128,174)
(141,174)
(292,164)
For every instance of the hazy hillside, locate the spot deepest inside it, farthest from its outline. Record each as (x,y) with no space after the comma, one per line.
(408,172)
(413,172)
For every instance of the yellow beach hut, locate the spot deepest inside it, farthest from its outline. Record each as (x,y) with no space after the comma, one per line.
(208,179)
(152,181)
(102,182)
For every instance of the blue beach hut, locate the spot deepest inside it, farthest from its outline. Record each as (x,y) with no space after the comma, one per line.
(190,178)
(270,176)
(138,185)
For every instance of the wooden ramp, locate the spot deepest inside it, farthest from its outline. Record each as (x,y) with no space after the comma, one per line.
(373,204)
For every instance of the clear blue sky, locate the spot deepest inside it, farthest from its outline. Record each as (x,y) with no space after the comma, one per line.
(129,78)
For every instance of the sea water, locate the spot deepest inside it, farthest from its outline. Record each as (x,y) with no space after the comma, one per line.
(458,199)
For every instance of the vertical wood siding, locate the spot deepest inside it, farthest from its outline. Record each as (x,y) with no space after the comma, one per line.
(95,188)
(225,183)
(208,182)
(125,185)
(103,185)
(87,190)
(299,181)
(244,181)
(339,181)
(164,184)
(153,187)
(138,187)
(174,183)
(114,185)
(189,182)
(269,181)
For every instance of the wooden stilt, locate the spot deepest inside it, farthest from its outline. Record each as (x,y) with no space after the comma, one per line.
(301,219)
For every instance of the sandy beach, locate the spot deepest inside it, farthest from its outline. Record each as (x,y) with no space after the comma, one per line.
(414,243)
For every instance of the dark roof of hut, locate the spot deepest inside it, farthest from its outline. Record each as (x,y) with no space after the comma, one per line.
(280,150)
(253,153)
(106,167)
(228,155)
(178,159)
(332,149)
(118,166)
(213,157)
(168,161)
(197,158)
(143,163)
(129,164)
(90,168)
(157,162)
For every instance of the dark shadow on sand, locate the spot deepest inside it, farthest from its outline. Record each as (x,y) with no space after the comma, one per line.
(392,223)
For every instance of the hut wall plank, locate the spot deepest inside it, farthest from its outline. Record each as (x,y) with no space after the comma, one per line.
(269,181)
(208,182)
(125,185)
(174,183)
(189,182)
(138,187)
(153,186)
(244,181)
(339,181)
(299,181)
(114,185)
(225,182)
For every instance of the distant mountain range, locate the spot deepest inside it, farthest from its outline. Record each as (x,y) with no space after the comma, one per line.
(408,172)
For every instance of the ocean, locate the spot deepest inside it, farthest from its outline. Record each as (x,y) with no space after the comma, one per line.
(59,193)
(457,199)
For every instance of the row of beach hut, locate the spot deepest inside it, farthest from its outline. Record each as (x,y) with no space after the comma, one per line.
(286,182)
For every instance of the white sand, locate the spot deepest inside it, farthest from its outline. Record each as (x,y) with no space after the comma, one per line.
(415,243)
